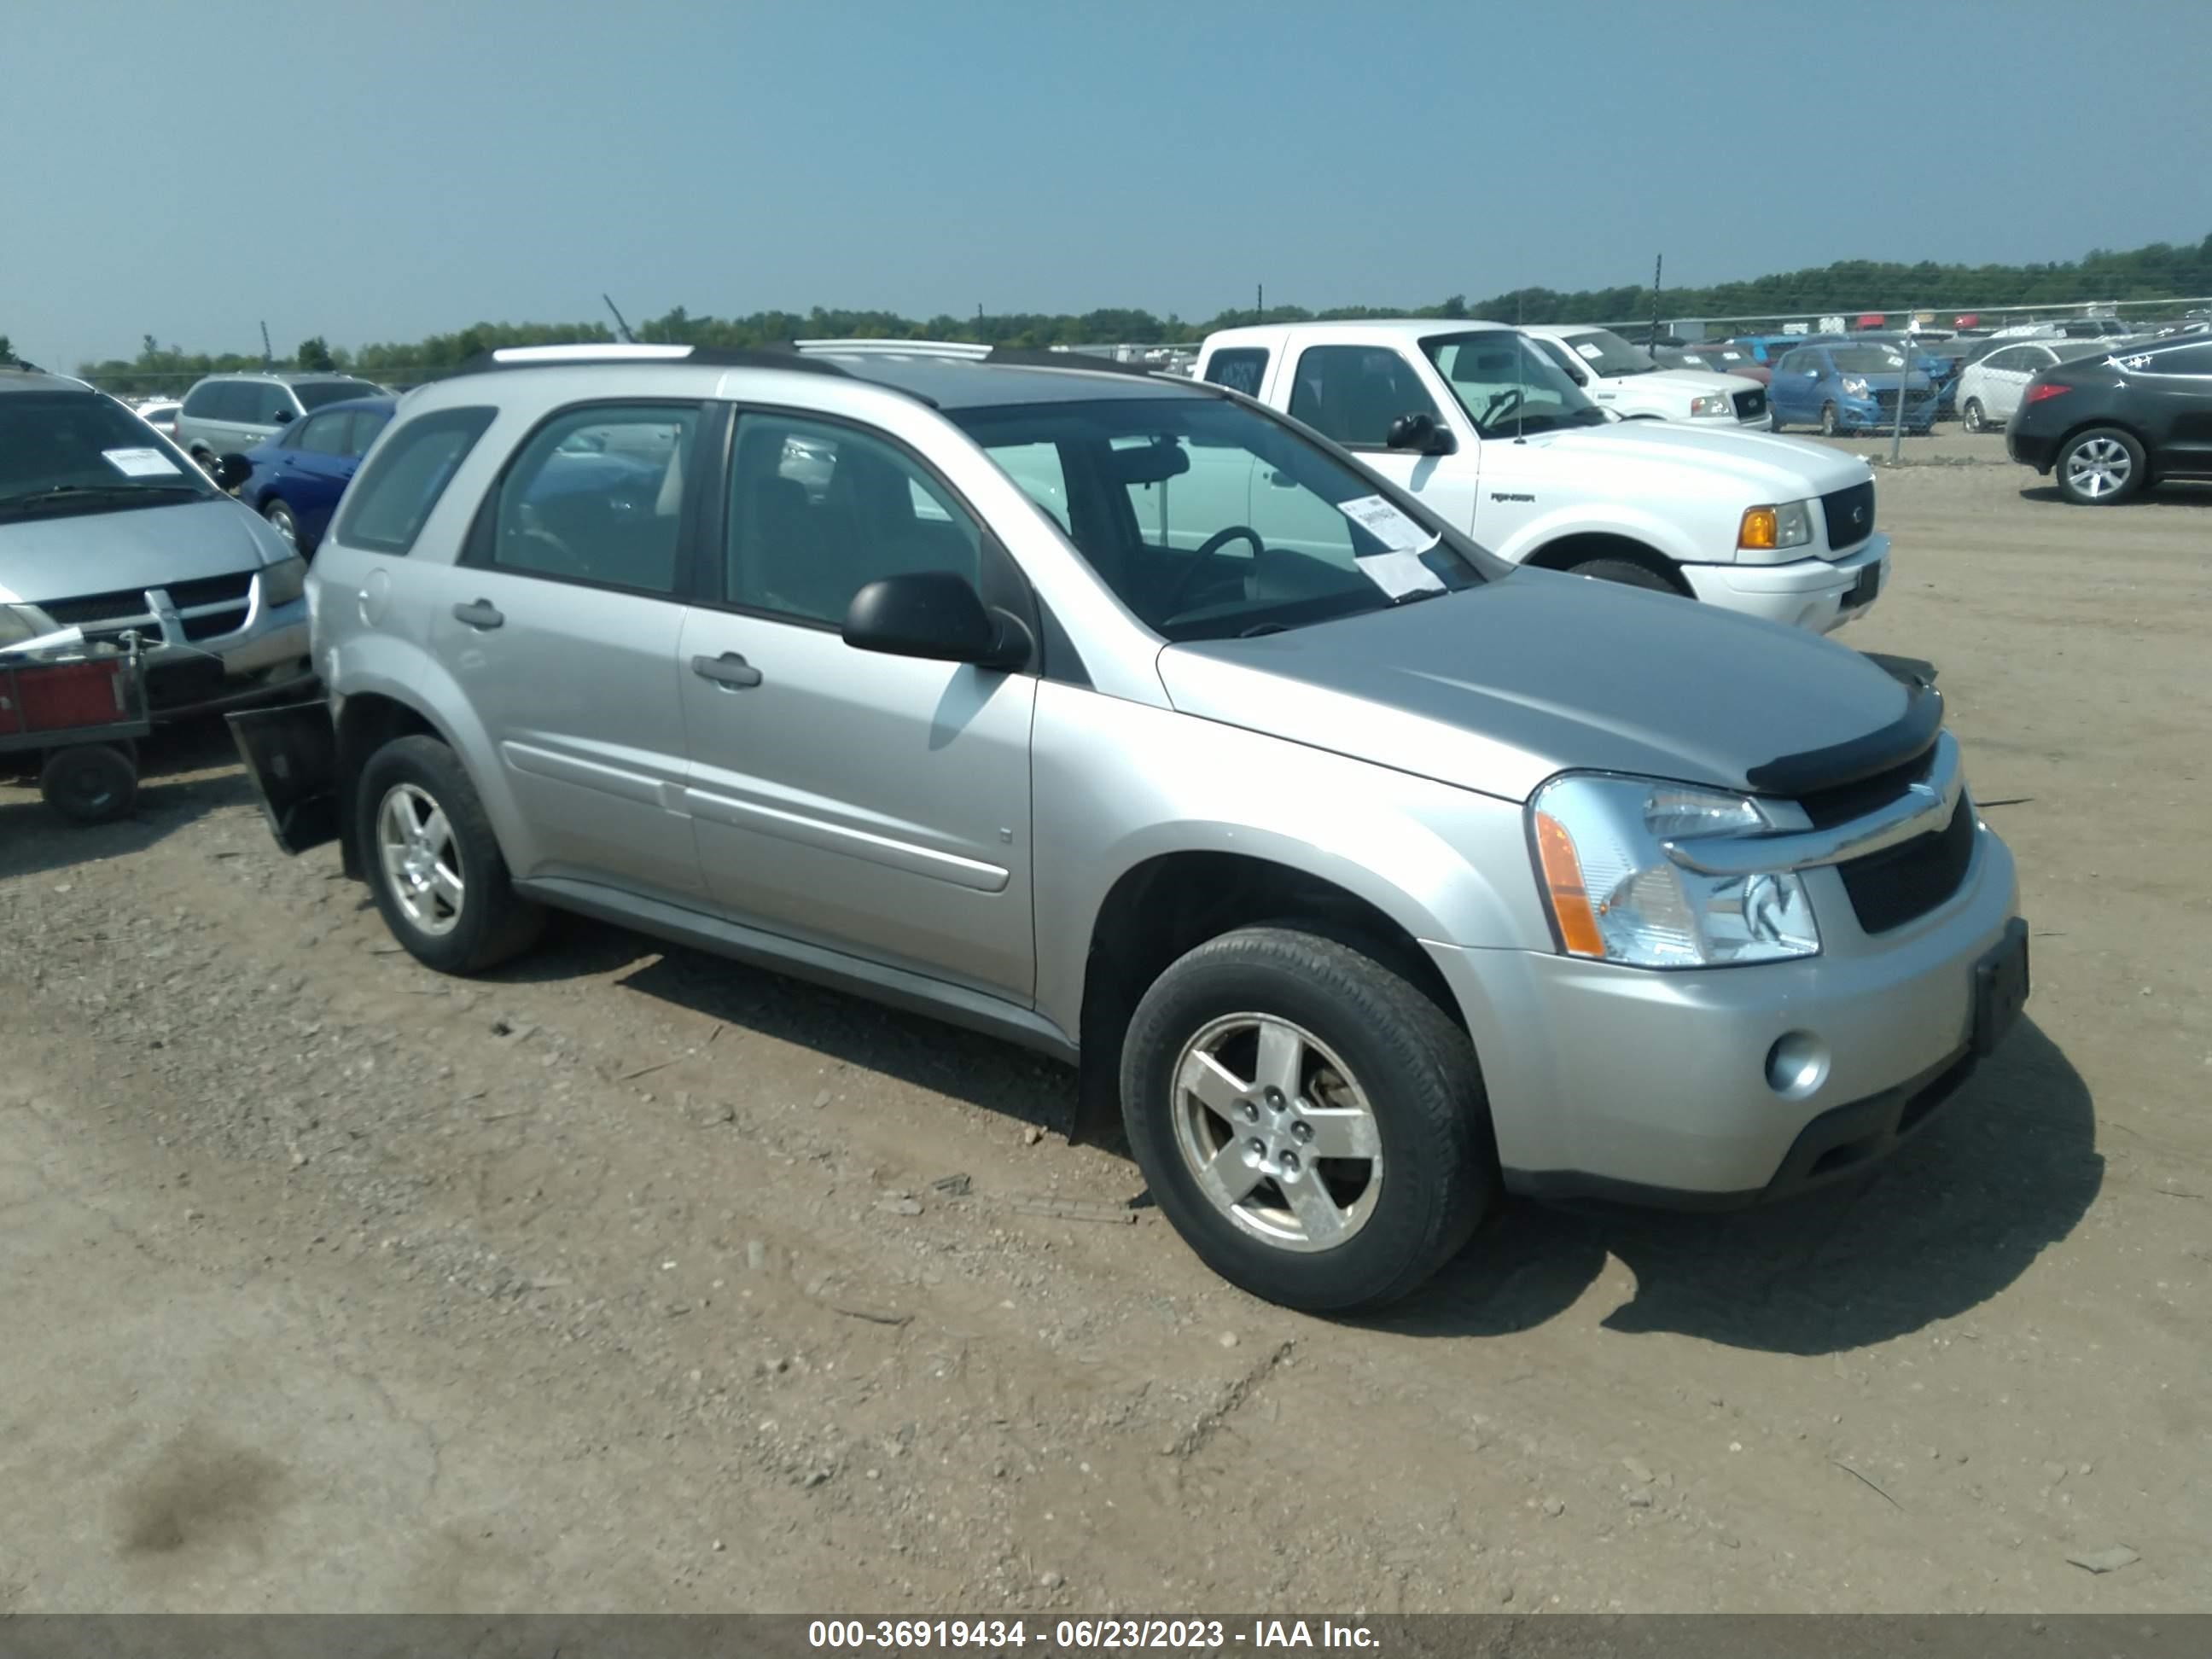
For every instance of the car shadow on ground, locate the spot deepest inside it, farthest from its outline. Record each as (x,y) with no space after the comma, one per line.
(2005,1169)
(184,772)
(2179,492)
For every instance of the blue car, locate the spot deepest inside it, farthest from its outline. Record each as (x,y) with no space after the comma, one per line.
(1942,370)
(1849,388)
(299,473)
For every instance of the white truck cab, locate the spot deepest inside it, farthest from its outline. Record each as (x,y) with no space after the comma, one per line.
(1625,379)
(1490,431)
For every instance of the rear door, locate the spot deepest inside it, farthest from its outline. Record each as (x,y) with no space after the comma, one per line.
(874,804)
(562,622)
(2177,386)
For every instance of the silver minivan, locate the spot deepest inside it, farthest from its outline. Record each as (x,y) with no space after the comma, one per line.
(228,414)
(1369,876)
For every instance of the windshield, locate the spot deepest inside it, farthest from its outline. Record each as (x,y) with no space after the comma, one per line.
(78,450)
(1211,520)
(1608,354)
(314,394)
(1508,387)
(1868,360)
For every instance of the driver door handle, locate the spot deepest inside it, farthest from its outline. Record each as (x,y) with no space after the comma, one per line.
(479,614)
(729,670)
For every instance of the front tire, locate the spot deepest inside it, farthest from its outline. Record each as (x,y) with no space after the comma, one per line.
(1828,428)
(434,863)
(1973,416)
(2100,467)
(1312,1124)
(1628,573)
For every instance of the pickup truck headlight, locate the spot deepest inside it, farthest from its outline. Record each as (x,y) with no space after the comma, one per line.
(1787,524)
(283,583)
(1712,403)
(1615,896)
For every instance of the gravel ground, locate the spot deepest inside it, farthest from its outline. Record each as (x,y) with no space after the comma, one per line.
(629,1279)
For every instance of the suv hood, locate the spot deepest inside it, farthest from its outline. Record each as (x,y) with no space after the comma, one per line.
(70,555)
(1687,382)
(1497,688)
(1764,467)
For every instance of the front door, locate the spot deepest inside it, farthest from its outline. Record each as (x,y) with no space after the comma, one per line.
(875,804)
(1351,393)
(562,623)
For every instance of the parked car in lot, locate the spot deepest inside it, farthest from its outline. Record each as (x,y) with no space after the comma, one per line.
(160,413)
(1850,388)
(1989,389)
(1478,421)
(1624,379)
(1766,349)
(1712,360)
(1368,875)
(1933,358)
(228,414)
(299,473)
(2108,426)
(106,527)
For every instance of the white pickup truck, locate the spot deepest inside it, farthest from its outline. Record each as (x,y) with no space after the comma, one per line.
(1624,379)
(1488,430)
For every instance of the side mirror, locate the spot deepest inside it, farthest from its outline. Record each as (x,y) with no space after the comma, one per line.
(935,614)
(1579,378)
(1420,434)
(231,470)
(283,417)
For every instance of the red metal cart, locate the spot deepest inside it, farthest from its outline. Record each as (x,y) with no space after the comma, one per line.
(84,708)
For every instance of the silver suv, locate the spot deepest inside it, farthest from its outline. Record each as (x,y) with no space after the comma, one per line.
(228,414)
(1368,875)
(106,528)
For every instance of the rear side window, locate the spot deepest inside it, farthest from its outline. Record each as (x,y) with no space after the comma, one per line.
(325,435)
(2185,360)
(234,400)
(314,394)
(597,496)
(367,423)
(1242,369)
(202,398)
(389,502)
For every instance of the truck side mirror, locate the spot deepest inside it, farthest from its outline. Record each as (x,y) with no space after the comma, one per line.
(1421,433)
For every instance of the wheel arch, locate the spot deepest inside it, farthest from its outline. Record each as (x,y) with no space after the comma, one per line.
(375,707)
(1569,550)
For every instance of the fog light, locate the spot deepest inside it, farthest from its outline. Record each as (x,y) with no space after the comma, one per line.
(1796,1065)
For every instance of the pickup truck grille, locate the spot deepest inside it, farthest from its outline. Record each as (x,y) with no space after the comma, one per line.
(1751,405)
(1850,515)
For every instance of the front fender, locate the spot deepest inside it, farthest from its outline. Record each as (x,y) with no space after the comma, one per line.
(1116,785)
(1663,533)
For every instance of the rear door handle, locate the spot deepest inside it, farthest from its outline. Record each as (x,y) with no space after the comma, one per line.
(729,669)
(479,614)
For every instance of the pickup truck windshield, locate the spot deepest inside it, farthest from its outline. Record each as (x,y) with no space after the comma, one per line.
(1209,520)
(1608,354)
(77,452)
(1507,386)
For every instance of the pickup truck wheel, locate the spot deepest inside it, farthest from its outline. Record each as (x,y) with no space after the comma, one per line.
(2099,467)
(1312,1124)
(434,863)
(1827,420)
(1628,573)
(1972,417)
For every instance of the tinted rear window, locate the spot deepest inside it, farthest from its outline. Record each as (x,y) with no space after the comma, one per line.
(1240,369)
(391,500)
(315,393)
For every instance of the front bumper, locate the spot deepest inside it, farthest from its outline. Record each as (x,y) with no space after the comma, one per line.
(1818,594)
(264,658)
(1652,1086)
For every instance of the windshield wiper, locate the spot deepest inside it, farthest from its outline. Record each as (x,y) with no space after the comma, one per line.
(64,493)
(1412,594)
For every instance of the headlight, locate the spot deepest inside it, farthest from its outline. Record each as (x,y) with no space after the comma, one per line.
(1615,896)
(1712,403)
(1854,386)
(1787,524)
(283,582)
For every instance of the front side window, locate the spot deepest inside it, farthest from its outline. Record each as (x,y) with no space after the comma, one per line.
(78,452)
(388,503)
(1242,368)
(1352,393)
(858,510)
(596,496)
(272,403)
(1209,519)
(1507,386)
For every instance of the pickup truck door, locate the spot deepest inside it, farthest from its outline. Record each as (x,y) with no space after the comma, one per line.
(1351,393)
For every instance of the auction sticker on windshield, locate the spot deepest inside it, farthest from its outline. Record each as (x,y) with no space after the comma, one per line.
(1386,524)
(140,463)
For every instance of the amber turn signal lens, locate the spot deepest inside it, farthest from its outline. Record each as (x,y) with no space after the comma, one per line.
(1758,528)
(1563,884)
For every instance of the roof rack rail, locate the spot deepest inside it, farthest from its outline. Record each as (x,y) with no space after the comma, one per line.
(560,356)
(1051,357)
(966,350)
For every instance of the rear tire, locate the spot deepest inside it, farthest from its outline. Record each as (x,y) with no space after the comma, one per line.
(90,782)
(2101,467)
(282,521)
(1367,1064)
(1973,416)
(1629,574)
(434,863)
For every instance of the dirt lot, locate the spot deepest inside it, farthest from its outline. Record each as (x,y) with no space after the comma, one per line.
(626,1279)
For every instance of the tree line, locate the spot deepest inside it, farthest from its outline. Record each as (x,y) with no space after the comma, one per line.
(2160,270)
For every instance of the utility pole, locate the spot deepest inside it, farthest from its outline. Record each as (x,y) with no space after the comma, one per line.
(1259,302)
(622,328)
(268,357)
(1658,264)
(1896,427)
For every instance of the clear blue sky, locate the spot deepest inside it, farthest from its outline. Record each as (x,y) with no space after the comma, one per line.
(382,171)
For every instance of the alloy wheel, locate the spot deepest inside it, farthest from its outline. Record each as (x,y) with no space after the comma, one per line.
(421,861)
(2099,467)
